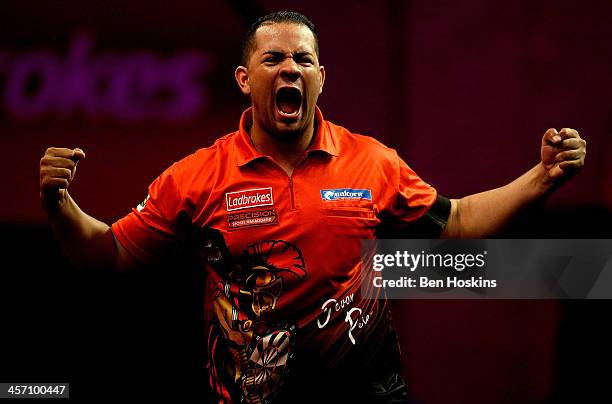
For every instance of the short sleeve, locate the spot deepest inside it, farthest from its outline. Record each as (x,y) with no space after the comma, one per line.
(155,229)
(416,209)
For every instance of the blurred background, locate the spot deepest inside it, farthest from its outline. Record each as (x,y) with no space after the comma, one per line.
(464,92)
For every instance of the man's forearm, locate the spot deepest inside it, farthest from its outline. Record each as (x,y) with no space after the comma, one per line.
(487,213)
(86,241)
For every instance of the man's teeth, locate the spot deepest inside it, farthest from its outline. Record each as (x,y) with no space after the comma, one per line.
(288,109)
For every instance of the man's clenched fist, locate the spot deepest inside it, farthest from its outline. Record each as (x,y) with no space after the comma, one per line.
(57,170)
(562,154)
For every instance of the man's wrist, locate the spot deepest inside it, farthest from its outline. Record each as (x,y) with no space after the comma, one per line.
(544,182)
(54,203)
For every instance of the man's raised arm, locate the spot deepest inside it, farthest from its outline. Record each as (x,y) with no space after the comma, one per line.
(485,214)
(86,241)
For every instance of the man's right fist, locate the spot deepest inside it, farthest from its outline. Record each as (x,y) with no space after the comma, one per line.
(57,169)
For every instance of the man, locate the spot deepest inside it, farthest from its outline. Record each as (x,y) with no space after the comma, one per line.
(277,211)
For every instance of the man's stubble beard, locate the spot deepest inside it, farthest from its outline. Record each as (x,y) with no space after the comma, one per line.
(290,136)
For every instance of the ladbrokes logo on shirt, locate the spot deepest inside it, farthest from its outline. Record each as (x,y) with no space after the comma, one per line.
(249,198)
(346,193)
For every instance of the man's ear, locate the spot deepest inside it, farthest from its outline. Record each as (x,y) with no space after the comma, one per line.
(242,78)
(322,74)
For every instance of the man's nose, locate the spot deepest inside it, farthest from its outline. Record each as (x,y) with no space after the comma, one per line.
(290,70)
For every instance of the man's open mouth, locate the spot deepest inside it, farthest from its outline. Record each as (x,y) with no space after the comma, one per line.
(288,101)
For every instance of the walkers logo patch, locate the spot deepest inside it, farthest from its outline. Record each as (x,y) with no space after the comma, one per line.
(346,193)
(260,217)
(249,198)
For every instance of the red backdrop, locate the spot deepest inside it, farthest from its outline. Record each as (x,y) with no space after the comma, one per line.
(463,90)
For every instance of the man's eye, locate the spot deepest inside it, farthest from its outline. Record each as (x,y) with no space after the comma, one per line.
(304,61)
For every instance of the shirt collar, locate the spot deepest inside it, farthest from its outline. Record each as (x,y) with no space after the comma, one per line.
(246,152)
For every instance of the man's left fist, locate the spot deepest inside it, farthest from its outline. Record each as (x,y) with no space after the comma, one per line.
(562,153)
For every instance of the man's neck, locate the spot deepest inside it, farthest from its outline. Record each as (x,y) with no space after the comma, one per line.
(286,153)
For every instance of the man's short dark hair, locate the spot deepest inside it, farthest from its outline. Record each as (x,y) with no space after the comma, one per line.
(292,17)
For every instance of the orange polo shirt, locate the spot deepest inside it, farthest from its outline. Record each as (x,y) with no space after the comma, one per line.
(282,253)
